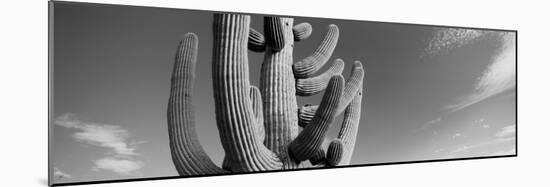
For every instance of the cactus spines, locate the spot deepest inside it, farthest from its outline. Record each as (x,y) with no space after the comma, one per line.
(335,152)
(310,139)
(259,127)
(274,32)
(187,154)
(309,65)
(313,85)
(302,31)
(256,41)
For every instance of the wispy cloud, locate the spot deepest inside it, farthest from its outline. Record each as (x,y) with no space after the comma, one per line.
(121,152)
(498,77)
(108,136)
(445,40)
(503,136)
(507,131)
(456,135)
(460,149)
(478,149)
(510,151)
(430,123)
(118,165)
(58,174)
(481,122)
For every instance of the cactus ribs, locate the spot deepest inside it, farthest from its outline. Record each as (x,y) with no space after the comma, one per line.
(260,127)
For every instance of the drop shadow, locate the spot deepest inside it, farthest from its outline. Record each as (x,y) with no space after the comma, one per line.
(42,181)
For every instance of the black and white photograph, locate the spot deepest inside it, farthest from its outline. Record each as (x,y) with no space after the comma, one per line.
(141,92)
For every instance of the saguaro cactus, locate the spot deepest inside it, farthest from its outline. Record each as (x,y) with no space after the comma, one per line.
(260,127)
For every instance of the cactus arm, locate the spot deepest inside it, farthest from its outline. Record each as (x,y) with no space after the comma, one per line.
(274,33)
(310,139)
(302,31)
(340,150)
(309,65)
(318,158)
(348,131)
(314,85)
(256,41)
(234,114)
(353,85)
(306,114)
(335,152)
(187,154)
(257,107)
(226,163)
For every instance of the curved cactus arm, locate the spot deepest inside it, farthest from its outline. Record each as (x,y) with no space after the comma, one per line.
(348,133)
(257,107)
(318,158)
(187,154)
(309,140)
(234,112)
(306,114)
(256,41)
(314,85)
(335,152)
(274,33)
(226,163)
(309,65)
(353,85)
(302,31)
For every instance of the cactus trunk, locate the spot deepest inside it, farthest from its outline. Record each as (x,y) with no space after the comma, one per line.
(277,85)
(234,114)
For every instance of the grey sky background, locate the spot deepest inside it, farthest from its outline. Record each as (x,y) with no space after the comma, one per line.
(429,92)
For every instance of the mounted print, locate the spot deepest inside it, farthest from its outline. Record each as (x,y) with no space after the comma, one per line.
(139,93)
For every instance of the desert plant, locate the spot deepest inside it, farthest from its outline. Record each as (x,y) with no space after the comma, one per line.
(260,127)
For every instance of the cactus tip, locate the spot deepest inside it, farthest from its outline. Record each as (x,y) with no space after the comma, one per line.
(357,64)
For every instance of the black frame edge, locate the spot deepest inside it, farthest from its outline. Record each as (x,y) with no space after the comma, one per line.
(50,16)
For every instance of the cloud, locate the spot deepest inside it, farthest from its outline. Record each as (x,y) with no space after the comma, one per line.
(445,40)
(118,165)
(500,76)
(431,123)
(503,137)
(58,174)
(481,122)
(511,151)
(478,149)
(505,132)
(460,149)
(108,136)
(457,135)
(121,152)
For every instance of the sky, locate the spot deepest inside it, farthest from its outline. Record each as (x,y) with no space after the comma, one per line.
(429,92)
